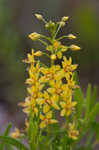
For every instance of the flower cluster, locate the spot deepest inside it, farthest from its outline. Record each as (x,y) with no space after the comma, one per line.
(50,89)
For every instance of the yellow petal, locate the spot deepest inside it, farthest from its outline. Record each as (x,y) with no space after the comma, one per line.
(59,55)
(46,108)
(64,48)
(55,106)
(42,124)
(42,117)
(74,67)
(44,70)
(49,115)
(42,79)
(68,112)
(63,104)
(51,90)
(53,121)
(74,103)
(63,112)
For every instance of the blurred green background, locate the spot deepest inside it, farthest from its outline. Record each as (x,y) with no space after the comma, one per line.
(17,21)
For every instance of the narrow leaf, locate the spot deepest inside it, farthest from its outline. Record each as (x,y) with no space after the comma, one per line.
(78,96)
(93,114)
(88,101)
(13,142)
(94,96)
(5,134)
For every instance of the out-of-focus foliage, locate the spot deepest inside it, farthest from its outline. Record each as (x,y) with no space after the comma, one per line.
(86,23)
(11,74)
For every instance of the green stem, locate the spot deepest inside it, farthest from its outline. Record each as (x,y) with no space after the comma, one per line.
(62,37)
(57,31)
(44,43)
(46,55)
(45,37)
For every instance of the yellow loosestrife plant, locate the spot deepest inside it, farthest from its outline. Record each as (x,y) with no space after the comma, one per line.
(53,94)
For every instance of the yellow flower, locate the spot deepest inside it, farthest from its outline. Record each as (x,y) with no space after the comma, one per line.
(74,48)
(34,72)
(16,133)
(49,74)
(72,132)
(30,58)
(67,93)
(59,48)
(67,65)
(28,104)
(35,91)
(34,36)
(71,82)
(47,119)
(67,107)
(32,80)
(48,101)
(57,88)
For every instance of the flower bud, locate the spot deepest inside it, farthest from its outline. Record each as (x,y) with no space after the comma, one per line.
(38,53)
(65,18)
(53,57)
(50,24)
(62,23)
(74,47)
(39,17)
(71,36)
(34,36)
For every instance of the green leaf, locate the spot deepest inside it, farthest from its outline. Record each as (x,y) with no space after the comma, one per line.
(93,114)
(5,134)
(97,131)
(13,142)
(90,137)
(9,147)
(32,131)
(78,96)
(87,124)
(76,79)
(94,97)
(88,101)
(83,148)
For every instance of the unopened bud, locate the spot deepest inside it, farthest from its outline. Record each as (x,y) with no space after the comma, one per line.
(71,36)
(38,53)
(39,17)
(34,36)
(65,18)
(74,47)
(53,57)
(62,23)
